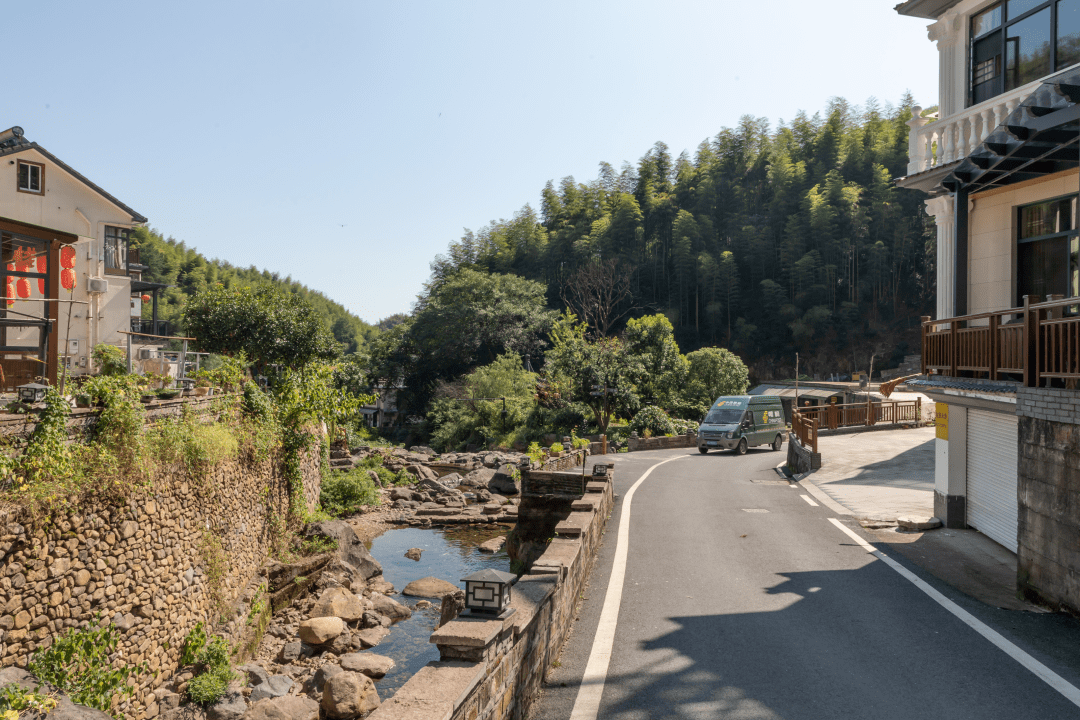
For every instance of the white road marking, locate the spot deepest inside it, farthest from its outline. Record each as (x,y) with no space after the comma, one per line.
(1051,678)
(808,500)
(822,497)
(587,703)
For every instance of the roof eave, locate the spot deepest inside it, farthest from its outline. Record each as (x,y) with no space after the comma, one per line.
(928,9)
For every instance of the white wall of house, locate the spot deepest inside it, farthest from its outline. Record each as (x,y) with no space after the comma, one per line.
(69,205)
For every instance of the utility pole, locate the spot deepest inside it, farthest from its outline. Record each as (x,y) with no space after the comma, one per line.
(796,381)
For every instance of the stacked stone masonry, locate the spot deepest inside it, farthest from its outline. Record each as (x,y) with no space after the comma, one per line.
(662,443)
(493,669)
(1048,489)
(140,565)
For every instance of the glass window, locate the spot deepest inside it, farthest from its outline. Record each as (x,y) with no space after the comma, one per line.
(1047,218)
(1068,33)
(116,247)
(1019,7)
(1027,50)
(29,177)
(1041,270)
(986,21)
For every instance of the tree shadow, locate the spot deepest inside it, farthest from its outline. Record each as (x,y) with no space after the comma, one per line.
(912,469)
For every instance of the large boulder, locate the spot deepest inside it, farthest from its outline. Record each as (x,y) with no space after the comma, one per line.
(274,686)
(503,481)
(478,478)
(338,602)
(429,587)
(370,664)
(389,607)
(289,707)
(422,472)
(321,630)
(349,695)
(403,493)
(370,637)
(230,706)
(350,549)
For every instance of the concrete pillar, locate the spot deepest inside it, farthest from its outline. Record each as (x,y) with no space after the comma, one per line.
(942,209)
(950,466)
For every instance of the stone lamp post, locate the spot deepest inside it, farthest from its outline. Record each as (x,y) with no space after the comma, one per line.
(487,593)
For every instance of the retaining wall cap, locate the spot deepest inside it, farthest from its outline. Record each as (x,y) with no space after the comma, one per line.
(439,688)
(559,552)
(467,632)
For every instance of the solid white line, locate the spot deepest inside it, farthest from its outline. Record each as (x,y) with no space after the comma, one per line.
(807,499)
(587,704)
(823,497)
(1047,675)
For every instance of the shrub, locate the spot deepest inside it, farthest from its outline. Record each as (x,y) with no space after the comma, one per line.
(653,419)
(209,685)
(78,664)
(344,493)
(684,426)
(110,359)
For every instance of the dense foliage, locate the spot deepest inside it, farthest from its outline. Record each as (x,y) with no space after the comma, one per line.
(768,241)
(188,272)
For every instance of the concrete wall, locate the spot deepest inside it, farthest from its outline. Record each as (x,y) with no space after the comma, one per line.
(139,562)
(1048,557)
(493,669)
(992,244)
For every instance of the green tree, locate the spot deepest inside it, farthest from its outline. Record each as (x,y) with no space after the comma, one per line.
(651,340)
(715,372)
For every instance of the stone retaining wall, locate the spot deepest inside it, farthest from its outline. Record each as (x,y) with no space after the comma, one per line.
(1048,490)
(576,458)
(662,443)
(493,669)
(801,459)
(142,564)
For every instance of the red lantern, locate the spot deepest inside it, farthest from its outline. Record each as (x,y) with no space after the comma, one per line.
(22,286)
(10,292)
(41,286)
(146,298)
(42,264)
(67,279)
(67,257)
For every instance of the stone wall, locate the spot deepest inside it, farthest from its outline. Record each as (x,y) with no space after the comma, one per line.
(662,443)
(575,458)
(801,459)
(141,563)
(493,669)
(1048,490)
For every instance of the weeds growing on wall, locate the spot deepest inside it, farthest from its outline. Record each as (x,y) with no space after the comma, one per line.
(216,565)
(215,672)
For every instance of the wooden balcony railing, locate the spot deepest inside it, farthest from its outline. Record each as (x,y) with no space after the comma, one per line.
(1040,341)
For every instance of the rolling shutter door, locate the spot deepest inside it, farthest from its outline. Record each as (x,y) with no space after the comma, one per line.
(991,475)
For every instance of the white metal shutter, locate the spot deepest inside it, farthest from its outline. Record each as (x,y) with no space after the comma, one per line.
(991,475)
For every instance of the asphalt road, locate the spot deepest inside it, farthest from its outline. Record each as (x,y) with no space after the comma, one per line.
(741,600)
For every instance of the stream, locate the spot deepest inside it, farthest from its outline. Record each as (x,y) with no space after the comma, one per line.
(449,554)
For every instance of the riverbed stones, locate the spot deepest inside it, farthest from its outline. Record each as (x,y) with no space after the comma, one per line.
(370,664)
(293,651)
(504,483)
(289,707)
(428,587)
(389,607)
(321,630)
(231,706)
(478,478)
(338,602)
(370,637)
(274,686)
(413,554)
(493,545)
(351,550)
(348,695)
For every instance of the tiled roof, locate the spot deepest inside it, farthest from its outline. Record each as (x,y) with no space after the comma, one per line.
(941,382)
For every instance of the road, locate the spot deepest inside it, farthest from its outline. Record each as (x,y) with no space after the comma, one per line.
(741,599)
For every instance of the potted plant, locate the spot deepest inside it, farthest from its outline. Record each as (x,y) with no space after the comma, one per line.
(83,399)
(202,384)
(555,451)
(167,393)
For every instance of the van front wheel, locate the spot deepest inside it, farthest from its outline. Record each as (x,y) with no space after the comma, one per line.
(703,450)
(741,448)
(777,442)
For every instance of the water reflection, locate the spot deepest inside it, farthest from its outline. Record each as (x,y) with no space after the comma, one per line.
(448,554)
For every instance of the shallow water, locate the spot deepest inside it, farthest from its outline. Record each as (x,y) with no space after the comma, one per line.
(448,554)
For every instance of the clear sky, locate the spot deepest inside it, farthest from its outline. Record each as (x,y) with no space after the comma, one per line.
(347,143)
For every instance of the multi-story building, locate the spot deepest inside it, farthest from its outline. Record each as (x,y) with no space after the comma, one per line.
(999,160)
(71,280)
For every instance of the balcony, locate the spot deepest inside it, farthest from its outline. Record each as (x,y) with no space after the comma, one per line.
(1037,345)
(935,143)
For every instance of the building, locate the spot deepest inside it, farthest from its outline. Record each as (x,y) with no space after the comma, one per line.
(64,239)
(999,160)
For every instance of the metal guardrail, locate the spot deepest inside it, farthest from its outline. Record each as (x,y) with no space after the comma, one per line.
(1036,342)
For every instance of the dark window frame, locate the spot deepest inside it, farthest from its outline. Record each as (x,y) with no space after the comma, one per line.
(1002,32)
(41,177)
(1069,246)
(125,235)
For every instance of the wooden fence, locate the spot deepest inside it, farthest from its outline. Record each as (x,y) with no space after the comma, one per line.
(1038,342)
(893,412)
(805,429)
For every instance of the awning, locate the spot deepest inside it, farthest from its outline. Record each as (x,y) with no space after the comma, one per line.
(789,392)
(1038,138)
(143,286)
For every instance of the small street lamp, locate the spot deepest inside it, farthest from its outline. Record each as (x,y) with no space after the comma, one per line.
(599,470)
(32,393)
(487,592)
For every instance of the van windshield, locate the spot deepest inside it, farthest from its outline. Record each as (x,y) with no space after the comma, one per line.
(724,416)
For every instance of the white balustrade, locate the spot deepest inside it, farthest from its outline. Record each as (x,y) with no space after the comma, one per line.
(939,141)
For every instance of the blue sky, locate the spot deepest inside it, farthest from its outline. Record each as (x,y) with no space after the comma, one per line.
(347,143)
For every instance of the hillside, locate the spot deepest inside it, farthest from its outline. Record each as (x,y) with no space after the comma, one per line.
(185,269)
(767,241)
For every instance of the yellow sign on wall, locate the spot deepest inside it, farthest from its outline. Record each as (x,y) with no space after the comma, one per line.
(942,420)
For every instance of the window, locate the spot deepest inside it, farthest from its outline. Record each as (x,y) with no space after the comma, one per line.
(116,250)
(1048,250)
(31,177)
(1018,41)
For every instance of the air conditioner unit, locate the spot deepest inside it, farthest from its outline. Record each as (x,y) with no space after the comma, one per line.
(97,285)
(147,353)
